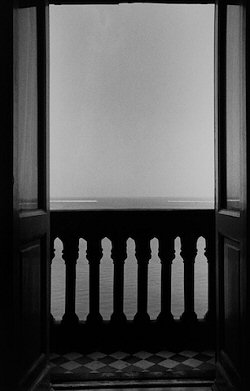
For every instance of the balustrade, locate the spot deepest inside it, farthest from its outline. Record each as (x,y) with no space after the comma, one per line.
(210,255)
(119,254)
(143,256)
(94,255)
(70,255)
(142,226)
(166,254)
(188,253)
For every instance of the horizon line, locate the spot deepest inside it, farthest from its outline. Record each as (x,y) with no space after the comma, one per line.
(97,199)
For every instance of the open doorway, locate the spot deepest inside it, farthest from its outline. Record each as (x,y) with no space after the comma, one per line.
(132,104)
(132,129)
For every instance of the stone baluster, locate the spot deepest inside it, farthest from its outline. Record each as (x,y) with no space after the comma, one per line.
(70,255)
(210,255)
(143,254)
(166,255)
(94,255)
(52,255)
(188,253)
(119,254)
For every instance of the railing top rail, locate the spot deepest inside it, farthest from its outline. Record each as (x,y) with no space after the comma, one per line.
(148,223)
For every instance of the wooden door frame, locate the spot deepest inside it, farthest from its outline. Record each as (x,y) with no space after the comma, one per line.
(9,279)
(6,205)
(31,227)
(222,381)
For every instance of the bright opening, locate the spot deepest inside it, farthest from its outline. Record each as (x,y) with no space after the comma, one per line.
(131,124)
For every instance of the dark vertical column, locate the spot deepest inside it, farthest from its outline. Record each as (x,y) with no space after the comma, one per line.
(166,254)
(210,255)
(188,253)
(94,255)
(143,254)
(70,255)
(119,254)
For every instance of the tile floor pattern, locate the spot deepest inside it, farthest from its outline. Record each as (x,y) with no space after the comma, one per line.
(120,363)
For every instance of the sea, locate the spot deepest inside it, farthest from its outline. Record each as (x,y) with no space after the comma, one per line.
(130,271)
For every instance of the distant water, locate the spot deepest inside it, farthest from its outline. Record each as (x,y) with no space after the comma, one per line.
(132,203)
(106,268)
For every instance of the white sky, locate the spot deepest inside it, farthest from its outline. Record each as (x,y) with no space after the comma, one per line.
(131,92)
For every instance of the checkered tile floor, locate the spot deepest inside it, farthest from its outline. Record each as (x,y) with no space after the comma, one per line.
(120,364)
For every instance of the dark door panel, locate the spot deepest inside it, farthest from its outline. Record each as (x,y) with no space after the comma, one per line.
(231,196)
(31,215)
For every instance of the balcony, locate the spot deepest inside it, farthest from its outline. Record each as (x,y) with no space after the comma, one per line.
(141,332)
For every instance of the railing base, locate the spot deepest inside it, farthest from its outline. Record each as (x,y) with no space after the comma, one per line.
(142,319)
(189,318)
(70,320)
(177,336)
(118,319)
(94,319)
(165,319)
